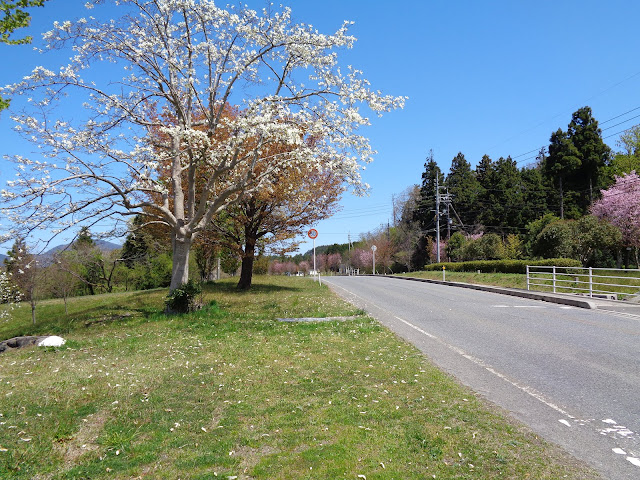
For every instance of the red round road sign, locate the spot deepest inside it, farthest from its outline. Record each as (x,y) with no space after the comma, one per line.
(313,233)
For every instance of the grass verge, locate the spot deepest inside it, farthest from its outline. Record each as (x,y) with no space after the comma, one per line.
(230,392)
(507,280)
(625,284)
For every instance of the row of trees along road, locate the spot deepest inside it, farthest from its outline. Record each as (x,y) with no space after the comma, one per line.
(576,176)
(158,143)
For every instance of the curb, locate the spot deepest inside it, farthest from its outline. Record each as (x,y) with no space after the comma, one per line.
(573,302)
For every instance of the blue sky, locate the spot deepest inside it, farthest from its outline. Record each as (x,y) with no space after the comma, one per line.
(491,77)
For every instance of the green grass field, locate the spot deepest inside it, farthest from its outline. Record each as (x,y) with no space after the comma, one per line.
(230,392)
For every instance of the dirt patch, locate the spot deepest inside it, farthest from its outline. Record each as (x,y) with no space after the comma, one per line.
(85,440)
(250,457)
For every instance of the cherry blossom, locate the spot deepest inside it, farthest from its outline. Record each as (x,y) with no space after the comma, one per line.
(620,206)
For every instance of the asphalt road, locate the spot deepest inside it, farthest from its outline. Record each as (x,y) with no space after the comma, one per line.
(570,374)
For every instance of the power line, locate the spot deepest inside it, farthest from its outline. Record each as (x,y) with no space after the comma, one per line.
(622,131)
(608,136)
(621,115)
(599,123)
(559,114)
(620,123)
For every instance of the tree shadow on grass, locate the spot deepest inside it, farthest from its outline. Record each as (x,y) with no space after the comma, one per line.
(227,287)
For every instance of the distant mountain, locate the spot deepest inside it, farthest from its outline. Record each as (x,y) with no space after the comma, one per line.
(48,255)
(102,245)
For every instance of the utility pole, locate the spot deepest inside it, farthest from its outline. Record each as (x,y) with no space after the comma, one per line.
(448,218)
(437,220)
(393,207)
(373,249)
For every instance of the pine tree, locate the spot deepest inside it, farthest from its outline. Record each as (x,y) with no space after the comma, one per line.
(464,188)
(483,171)
(594,154)
(425,209)
(503,196)
(537,193)
(577,163)
(561,164)
(89,258)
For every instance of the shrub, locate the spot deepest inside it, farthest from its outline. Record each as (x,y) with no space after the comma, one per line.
(261,265)
(455,246)
(184,299)
(555,240)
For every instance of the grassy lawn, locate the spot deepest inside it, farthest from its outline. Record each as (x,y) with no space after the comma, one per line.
(230,392)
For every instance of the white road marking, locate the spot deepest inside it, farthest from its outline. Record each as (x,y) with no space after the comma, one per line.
(525,388)
(614,430)
(635,461)
(520,306)
(632,316)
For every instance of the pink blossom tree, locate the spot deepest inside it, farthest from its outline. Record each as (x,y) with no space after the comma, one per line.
(304,267)
(620,206)
(277,268)
(443,251)
(362,259)
(321,262)
(290,267)
(333,261)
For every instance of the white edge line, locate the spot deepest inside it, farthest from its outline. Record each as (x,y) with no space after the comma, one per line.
(524,388)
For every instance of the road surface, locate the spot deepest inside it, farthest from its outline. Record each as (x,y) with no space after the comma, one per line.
(571,374)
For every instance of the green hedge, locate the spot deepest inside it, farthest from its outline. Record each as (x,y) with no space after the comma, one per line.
(501,266)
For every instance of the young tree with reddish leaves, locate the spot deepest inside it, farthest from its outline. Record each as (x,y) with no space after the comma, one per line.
(271,219)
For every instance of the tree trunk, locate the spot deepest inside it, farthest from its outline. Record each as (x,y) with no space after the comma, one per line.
(180,269)
(619,258)
(246,272)
(561,199)
(627,257)
(33,309)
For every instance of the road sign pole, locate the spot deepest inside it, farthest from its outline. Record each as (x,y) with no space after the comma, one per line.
(313,234)
(373,249)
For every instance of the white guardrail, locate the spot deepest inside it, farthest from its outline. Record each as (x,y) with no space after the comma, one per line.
(611,283)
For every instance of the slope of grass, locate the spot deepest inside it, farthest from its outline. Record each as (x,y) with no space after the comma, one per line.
(508,280)
(230,392)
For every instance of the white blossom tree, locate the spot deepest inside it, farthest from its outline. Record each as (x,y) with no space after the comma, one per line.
(182,63)
(9,295)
